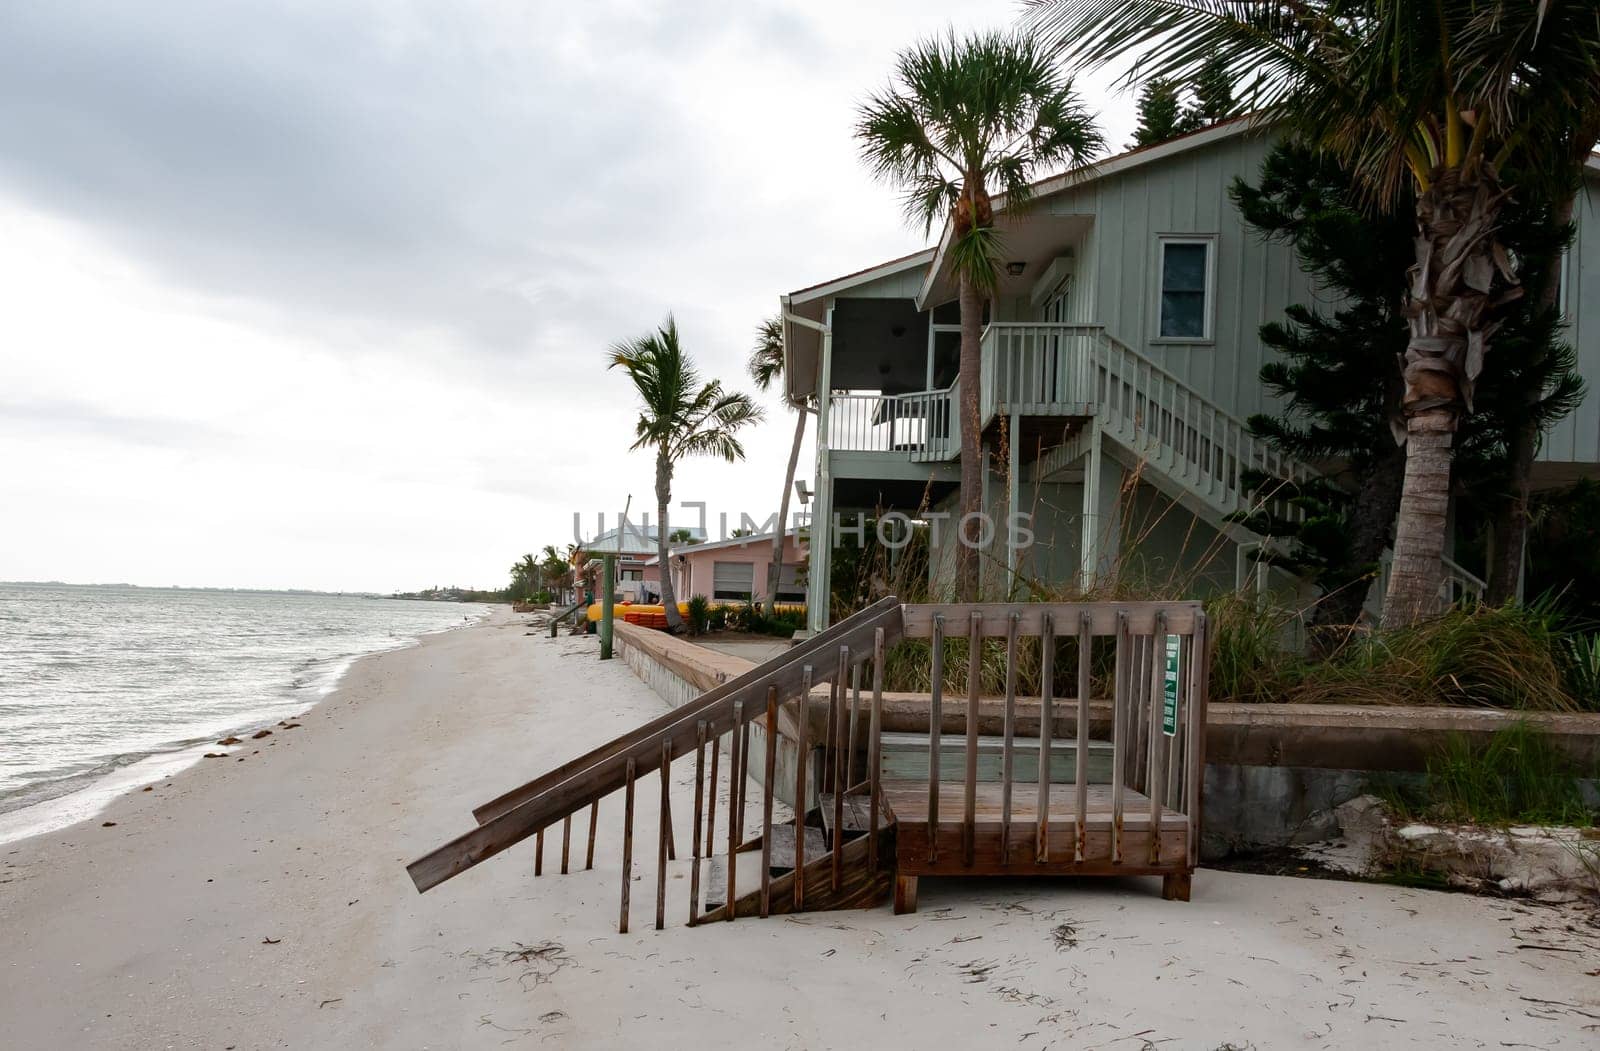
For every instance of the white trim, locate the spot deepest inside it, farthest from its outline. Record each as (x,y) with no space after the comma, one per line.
(849,281)
(1209,308)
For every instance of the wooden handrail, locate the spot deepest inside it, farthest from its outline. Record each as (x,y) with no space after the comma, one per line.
(1157,731)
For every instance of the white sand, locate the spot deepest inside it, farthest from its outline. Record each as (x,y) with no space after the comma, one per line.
(151,933)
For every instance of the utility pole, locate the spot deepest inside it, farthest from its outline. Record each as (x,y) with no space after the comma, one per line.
(608,584)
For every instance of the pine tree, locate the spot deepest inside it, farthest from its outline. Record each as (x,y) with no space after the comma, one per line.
(1338,374)
(1213,96)
(1161,114)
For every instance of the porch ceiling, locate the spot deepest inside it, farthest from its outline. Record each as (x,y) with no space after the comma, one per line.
(879,344)
(1034,238)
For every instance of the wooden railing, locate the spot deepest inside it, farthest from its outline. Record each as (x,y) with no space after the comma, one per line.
(1460,585)
(1154,658)
(923,424)
(1193,441)
(834,658)
(1038,369)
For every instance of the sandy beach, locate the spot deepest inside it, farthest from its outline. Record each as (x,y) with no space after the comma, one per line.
(261,900)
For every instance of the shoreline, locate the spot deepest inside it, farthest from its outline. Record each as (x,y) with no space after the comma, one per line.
(262,902)
(50,806)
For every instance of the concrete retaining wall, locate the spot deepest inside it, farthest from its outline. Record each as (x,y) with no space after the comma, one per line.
(1275,773)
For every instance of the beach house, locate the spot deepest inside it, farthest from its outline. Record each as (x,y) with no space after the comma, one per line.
(635,546)
(735,570)
(1120,359)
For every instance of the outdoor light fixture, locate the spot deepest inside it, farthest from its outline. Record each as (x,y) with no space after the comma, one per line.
(1016,267)
(801,491)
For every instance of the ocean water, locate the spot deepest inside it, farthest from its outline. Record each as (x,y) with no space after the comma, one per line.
(95,681)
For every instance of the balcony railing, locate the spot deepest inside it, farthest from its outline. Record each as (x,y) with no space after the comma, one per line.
(922,424)
(1070,370)
(1039,369)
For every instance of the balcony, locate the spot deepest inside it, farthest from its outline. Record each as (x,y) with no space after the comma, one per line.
(1036,373)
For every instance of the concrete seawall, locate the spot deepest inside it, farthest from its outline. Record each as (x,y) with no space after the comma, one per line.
(1275,773)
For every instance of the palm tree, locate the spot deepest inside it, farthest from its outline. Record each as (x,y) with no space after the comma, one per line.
(553,567)
(965,118)
(524,578)
(1435,94)
(679,416)
(766,368)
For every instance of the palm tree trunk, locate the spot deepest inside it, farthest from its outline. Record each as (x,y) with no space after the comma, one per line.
(669,602)
(971,304)
(1451,288)
(776,569)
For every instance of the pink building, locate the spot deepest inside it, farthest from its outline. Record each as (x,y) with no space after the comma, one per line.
(734,570)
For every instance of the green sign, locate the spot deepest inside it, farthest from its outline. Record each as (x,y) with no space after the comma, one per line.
(1169,702)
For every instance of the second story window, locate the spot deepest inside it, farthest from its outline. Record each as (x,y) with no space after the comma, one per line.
(1186,277)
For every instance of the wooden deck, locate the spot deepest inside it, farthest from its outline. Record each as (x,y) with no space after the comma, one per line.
(1103,851)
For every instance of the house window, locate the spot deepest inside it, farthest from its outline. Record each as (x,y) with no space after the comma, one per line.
(733,580)
(790,589)
(1186,279)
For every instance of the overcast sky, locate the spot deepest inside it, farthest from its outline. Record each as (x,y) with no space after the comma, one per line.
(317,294)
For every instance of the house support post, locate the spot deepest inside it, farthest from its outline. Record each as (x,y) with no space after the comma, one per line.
(608,585)
(1089,548)
(820,541)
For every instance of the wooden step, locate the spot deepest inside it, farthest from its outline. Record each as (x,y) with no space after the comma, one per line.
(857,816)
(861,886)
(905,757)
(783,845)
(715,879)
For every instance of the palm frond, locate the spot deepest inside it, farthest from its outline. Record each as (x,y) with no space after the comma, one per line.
(766,357)
(962,110)
(678,414)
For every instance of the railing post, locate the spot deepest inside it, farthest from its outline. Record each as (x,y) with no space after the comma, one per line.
(803,760)
(736,776)
(664,833)
(769,772)
(970,780)
(1122,677)
(874,757)
(840,685)
(1081,767)
(1154,783)
(627,847)
(1047,660)
(1008,729)
(699,802)
(935,729)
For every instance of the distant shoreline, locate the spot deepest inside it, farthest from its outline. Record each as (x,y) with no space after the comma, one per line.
(397,596)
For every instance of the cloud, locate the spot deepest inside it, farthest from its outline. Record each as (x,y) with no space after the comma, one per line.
(382,245)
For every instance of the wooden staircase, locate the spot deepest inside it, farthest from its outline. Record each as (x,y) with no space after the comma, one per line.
(878,811)
(770,692)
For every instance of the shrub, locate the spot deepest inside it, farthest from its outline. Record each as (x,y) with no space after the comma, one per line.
(699,615)
(1580,659)
(1517,776)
